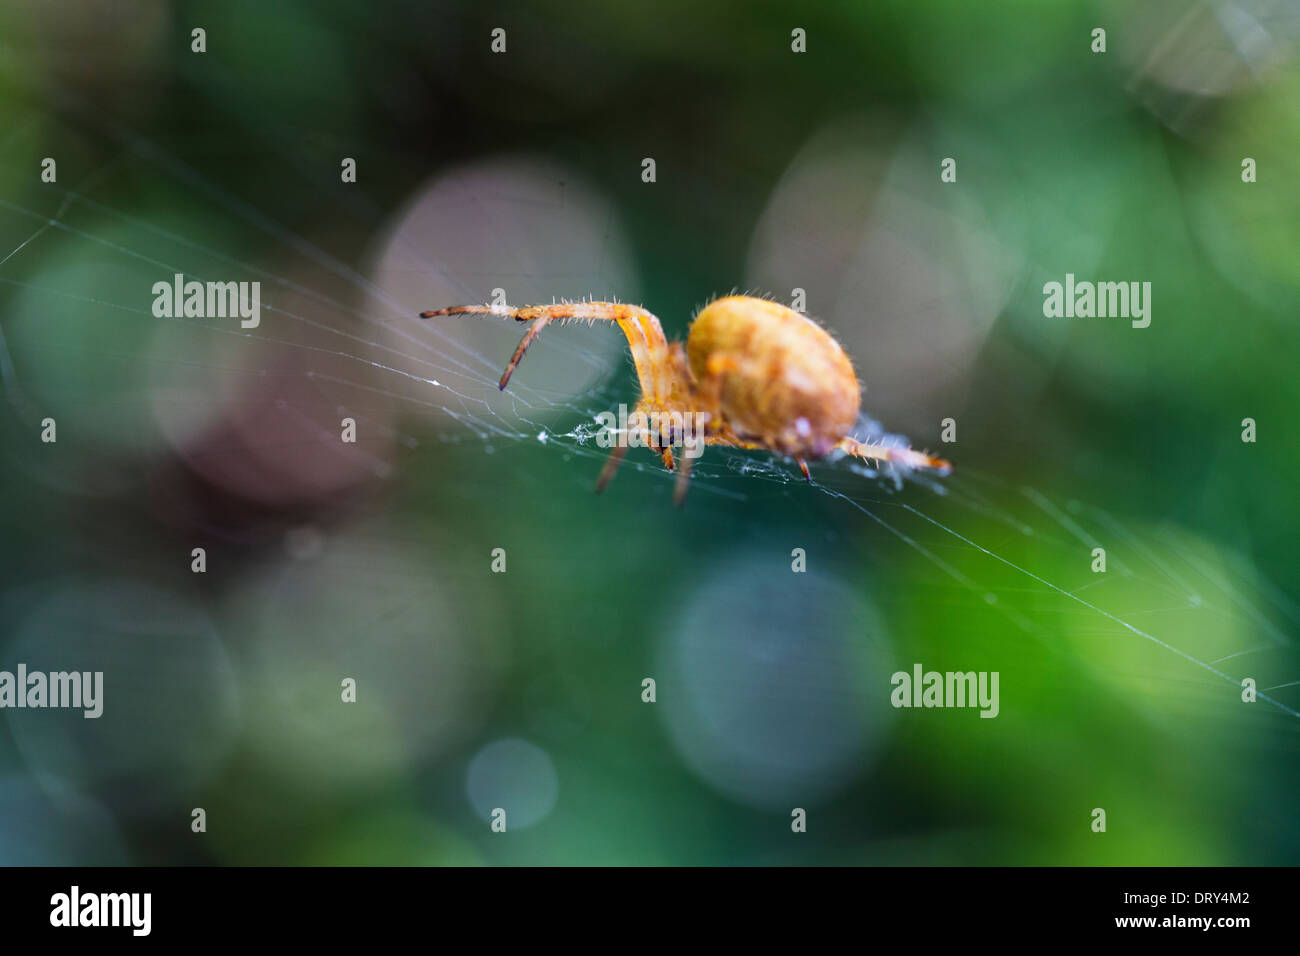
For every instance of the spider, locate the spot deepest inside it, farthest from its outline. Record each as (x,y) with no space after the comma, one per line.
(764,375)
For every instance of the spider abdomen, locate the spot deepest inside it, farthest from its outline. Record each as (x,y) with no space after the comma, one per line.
(787,383)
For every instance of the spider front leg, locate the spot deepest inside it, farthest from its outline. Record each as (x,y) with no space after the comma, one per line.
(661,369)
(645,336)
(534,314)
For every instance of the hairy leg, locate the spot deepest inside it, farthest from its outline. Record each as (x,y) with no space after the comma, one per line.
(645,336)
(903,456)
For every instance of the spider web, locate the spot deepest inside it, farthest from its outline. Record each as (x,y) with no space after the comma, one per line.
(354,344)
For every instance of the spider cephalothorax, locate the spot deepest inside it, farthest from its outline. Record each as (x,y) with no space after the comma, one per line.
(759,375)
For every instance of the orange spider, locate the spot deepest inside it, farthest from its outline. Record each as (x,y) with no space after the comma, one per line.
(764,375)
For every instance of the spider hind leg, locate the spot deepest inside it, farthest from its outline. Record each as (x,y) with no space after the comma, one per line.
(907,457)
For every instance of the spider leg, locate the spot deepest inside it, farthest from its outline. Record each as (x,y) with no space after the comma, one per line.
(665,453)
(903,456)
(680,486)
(645,336)
(529,338)
(683,482)
(729,439)
(611,466)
